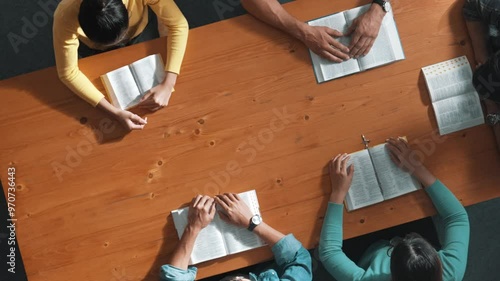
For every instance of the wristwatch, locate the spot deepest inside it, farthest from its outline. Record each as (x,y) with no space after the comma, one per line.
(254,221)
(384,4)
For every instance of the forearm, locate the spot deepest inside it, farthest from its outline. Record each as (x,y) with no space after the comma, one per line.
(477,33)
(424,176)
(270,235)
(182,253)
(272,13)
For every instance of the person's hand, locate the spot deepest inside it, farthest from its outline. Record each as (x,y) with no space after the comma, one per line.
(403,156)
(201,212)
(364,30)
(340,177)
(157,97)
(235,211)
(408,160)
(130,120)
(321,40)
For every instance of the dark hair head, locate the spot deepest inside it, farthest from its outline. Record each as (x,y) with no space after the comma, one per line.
(415,259)
(103,21)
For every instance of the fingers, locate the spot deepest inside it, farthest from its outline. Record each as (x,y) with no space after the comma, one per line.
(195,200)
(327,55)
(350,171)
(221,202)
(138,120)
(203,200)
(337,163)
(231,197)
(146,96)
(368,47)
(333,32)
(355,39)
(336,45)
(356,49)
(133,126)
(344,164)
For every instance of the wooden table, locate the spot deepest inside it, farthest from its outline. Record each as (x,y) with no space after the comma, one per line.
(104,215)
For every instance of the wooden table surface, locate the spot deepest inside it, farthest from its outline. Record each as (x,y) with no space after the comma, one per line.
(94,203)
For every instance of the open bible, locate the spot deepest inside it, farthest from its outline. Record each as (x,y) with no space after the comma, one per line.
(219,238)
(386,49)
(376,178)
(454,99)
(128,84)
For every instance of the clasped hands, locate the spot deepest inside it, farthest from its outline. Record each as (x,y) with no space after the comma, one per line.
(232,209)
(363,31)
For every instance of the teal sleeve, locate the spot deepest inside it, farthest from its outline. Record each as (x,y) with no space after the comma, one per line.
(172,273)
(330,247)
(455,229)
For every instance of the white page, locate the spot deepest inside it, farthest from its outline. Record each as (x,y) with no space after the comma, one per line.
(364,189)
(448,79)
(393,181)
(122,84)
(326,70)
(382,51)
(458,113)
(148,72)
(239,239)
(209,243)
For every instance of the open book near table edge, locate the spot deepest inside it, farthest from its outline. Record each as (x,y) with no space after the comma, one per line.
(390,13)
(225,239)
(455,102)
(376,178)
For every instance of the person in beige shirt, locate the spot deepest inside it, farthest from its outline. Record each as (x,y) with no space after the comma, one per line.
(101,25)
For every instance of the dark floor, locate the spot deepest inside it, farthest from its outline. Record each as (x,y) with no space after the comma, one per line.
(25,26)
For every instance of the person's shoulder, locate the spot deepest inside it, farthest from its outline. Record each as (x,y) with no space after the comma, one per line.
(68,9)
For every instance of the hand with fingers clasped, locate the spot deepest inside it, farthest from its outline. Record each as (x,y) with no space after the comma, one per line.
(201,212)
(130,120)
(234,209)
(364,30)
(341,175)
(321,40)
(157,97)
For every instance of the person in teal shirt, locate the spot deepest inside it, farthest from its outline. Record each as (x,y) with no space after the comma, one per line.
(410,259)
(293,261)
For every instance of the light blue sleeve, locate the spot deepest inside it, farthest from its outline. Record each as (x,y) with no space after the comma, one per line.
(172,273)
(293,260)
(454,229)
(330,247)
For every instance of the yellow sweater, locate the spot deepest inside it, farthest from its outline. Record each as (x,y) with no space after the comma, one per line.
(67,32)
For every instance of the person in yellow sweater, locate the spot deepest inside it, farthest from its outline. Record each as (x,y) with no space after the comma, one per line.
(101,25)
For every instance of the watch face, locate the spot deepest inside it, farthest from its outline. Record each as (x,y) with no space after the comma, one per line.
(256,219)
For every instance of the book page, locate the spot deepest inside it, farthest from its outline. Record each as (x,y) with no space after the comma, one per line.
(458,113)
(148,72)
(393,181)
(448,79)
(382,51)
(121,86)
(324,69)
(208,245)
(239,239)
(364,189)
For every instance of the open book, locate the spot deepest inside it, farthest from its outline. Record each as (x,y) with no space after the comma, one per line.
(454,99)
(376,178)
(386,49)
(219,238)
(128,84)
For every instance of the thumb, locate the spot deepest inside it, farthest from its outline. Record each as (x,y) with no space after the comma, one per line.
(223,216)
(333,32)
(350,170)
(352,28)
(137,119)
(146,96)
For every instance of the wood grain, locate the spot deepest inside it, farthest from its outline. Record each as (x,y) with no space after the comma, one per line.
(106,216)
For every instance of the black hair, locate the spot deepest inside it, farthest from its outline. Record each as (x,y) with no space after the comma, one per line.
(103,21)
(415,259)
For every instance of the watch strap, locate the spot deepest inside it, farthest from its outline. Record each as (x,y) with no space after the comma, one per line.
(382,4)
(251,225)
